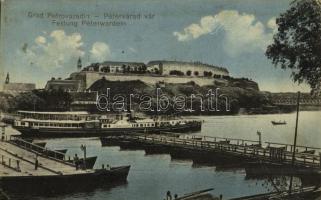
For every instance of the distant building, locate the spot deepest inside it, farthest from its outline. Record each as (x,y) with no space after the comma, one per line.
(65,85)
(9,87)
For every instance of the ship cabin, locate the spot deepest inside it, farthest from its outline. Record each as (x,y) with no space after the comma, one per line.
(146,123)
(124,122)
(75,116)
(35,119)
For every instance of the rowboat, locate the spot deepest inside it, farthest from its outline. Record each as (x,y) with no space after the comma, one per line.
(278,123)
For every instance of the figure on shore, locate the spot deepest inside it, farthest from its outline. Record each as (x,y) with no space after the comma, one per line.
(36,163)
(168,195)
(76,161)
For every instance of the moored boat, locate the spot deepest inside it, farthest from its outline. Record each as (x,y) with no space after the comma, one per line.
(96,177)
(278,122)
(83,124)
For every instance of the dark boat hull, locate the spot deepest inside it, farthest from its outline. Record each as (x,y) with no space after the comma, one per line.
(270,169)
(52,182)
(278,123)
(95,132)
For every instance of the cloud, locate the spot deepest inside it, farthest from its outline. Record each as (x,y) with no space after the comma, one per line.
(99,52)
(40,40)
(207,25)
(131,49)
(243,32)
(272,24)
(54,51)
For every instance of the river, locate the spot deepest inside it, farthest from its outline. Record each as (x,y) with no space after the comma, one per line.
(152,175)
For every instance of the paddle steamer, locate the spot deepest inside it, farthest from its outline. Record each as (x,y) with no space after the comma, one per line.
(73,124)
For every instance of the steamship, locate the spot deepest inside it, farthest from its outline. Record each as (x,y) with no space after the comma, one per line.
(84,124)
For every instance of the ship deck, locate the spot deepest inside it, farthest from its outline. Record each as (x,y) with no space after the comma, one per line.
(11,154)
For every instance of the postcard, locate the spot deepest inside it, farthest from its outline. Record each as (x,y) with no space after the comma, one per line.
(160,99)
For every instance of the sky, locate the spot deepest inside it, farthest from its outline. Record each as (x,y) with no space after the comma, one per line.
(233,34)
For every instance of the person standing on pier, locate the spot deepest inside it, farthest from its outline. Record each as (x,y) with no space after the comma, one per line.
(168,195)
(36,162)
(76,161)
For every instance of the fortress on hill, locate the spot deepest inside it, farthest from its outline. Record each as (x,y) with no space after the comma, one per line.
(158,71)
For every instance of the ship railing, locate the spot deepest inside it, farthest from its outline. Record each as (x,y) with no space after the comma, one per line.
(252,151)
(9,163)
(36,148)
(298,147)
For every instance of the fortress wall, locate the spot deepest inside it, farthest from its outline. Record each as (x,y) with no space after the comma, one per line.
(184,67)
(92,77)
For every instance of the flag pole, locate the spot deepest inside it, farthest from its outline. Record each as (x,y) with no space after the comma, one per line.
(295,139)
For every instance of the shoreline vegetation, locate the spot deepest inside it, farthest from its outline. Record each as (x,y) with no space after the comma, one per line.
(243,97)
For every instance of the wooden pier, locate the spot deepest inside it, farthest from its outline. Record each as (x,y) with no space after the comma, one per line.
(18,161)
(241,149)
(26,167)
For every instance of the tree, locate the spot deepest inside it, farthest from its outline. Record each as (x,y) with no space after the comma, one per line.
(176,72)
(124,68)
(297,43)
(144,68)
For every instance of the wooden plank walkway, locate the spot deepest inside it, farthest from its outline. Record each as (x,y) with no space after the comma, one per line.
(16,161)
(237,147)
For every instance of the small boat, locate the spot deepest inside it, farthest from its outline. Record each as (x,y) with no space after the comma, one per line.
(199,195)
(278,123)
(309,152)
(41,144)
(64,151)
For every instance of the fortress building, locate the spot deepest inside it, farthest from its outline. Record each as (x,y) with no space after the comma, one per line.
(116,67)
(151,73)
(194,69)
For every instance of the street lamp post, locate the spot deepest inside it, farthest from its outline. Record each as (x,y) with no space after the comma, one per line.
(260,138)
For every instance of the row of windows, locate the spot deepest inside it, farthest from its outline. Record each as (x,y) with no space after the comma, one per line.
(134,125)
(143,125)
(52,125)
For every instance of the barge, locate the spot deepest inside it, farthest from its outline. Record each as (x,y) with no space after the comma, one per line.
(83,124)
(22,169)
(97,177)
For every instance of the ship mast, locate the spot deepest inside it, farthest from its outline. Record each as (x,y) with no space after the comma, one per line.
(295,138)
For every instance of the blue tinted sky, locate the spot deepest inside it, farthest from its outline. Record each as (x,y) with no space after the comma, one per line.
(228,33)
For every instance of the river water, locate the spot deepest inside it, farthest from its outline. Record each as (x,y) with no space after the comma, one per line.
(152,175)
